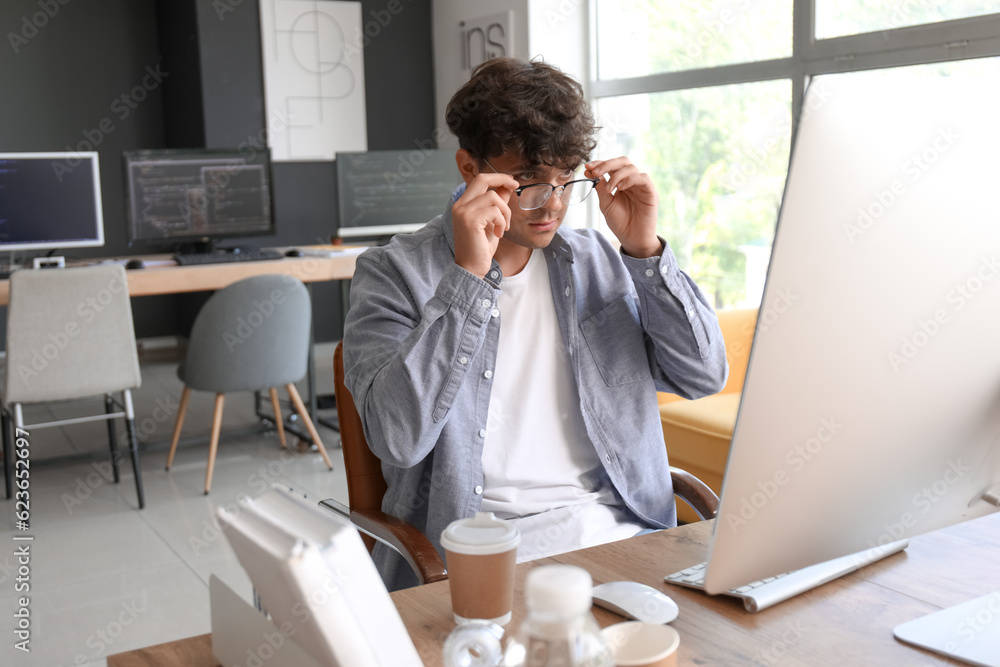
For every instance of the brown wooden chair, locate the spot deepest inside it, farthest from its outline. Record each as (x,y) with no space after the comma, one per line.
(366,486)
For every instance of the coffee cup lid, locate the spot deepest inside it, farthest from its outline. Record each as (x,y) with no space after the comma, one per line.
(483,534)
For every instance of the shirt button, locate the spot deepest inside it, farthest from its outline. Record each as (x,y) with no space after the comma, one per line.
(690,313)
(664,268)
(488,374)
(493,274)
(482,433)
(463,360)
(496,313)
(607,457)
(478,490)
(566,292)
(649,272)
(487,303)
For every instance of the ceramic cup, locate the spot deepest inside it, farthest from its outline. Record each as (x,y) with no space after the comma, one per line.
(637,644)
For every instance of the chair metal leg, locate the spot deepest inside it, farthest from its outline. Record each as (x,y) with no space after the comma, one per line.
(133,445)
(181,411)
(8,469)
(279,420)
(301,409)
(109,407)
(220,400)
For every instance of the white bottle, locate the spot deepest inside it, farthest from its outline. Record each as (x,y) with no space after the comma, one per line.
(559,630)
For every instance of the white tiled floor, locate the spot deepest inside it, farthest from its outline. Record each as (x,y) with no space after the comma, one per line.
(106,577)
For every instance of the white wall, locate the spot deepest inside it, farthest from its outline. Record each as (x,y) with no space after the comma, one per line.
(558,33)
(448,75)
(555,30)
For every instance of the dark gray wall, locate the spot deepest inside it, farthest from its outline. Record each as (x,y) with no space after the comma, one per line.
(63,81)
(68,77)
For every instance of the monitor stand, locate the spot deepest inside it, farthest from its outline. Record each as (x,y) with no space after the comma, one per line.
(968,632)
(206,247)
(203,247)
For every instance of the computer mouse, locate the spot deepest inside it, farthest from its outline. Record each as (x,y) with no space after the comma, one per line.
(295,252)
(135,264)
(636,601)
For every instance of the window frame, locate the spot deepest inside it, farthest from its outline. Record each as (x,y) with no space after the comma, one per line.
(944,41)
(929,43)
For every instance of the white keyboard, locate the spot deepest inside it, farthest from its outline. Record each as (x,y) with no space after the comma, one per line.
(770,591)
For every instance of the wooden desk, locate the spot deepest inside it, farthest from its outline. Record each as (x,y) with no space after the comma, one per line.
(846,622)
(174,279)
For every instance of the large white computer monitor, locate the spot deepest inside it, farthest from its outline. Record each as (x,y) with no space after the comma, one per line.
(871,409)
(50,201)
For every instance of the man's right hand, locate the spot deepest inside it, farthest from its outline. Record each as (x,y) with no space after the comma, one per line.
(479,218)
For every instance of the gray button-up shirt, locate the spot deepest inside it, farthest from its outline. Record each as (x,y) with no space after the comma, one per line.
(422,331)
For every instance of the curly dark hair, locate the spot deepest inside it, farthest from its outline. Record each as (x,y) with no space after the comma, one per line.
(530,109)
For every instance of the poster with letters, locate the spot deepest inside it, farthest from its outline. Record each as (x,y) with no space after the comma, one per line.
(314,78)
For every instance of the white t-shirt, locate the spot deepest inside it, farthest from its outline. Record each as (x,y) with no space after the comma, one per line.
(540,468)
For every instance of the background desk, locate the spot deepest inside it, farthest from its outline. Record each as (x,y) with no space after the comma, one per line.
(846,622)
(179,279)
(173,279)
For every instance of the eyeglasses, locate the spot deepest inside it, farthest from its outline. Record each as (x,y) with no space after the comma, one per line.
(536,195)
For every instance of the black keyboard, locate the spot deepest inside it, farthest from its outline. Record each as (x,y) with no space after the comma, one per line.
(225,256)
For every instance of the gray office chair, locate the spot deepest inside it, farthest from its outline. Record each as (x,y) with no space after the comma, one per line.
(70,336)
(250,336)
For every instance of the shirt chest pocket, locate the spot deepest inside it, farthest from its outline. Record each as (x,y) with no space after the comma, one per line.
(616,343)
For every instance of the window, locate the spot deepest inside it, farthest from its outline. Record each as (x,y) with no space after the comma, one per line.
(703,95)
(670,36)
(718,156)
(835,18)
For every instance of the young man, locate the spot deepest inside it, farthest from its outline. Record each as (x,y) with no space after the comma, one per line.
(503,364)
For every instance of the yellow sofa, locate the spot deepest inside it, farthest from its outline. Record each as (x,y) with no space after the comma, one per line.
(697,433)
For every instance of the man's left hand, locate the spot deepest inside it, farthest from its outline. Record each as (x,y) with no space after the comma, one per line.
(628,202)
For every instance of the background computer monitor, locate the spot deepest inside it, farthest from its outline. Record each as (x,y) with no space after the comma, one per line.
(871,409)
(205,195)
(390,192)
(50,201)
